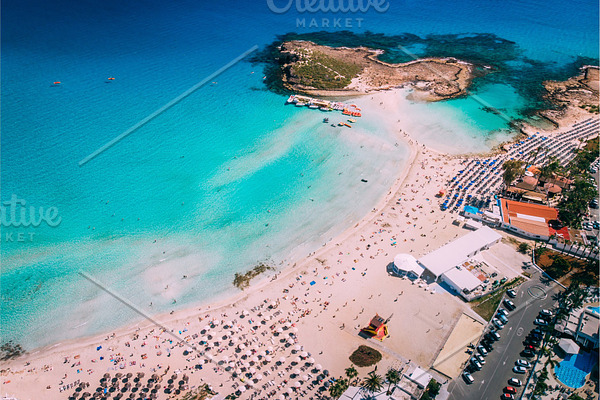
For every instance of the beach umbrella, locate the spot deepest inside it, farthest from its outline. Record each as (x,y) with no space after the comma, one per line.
(305,378)
(304,354)
(282,359)
(290,341)
(282,397)
(262,353)
(248,352)
(225,358)
(297,359)
(268,358)
(270,349)
(279,330)
(297,384)
(252,370)
(326,372)
(241,346)
(242,389)
(259,377)
(311,360)
(297,371)
(255,359)
(318,367)
(287,324)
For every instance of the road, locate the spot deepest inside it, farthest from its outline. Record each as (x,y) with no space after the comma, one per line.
(532,296)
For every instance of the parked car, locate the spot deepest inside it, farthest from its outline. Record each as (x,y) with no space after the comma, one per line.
(519,370)
(468,377)
(497,323)
(488,345)
(511,293)
(507,396)
(494,335)
(482,350)
(476,364)
(523,363)
(515,382)
(502,311)
(540,322)
(527,353)
(509,305)
(502,318)
(546,313)
(480,358)
(510,389)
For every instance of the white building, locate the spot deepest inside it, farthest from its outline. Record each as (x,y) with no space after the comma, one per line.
(461,280)
(457,252)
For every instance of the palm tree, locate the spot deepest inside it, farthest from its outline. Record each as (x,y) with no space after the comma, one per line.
(338,388)
(351,373)
(373,382)
(551,362)
(393,377)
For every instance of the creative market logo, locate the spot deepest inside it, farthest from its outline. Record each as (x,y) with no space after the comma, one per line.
(328,6)
(15,213)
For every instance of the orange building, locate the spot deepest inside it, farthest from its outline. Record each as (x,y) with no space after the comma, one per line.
(531,220)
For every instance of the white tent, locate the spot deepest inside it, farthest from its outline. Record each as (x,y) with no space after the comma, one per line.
(407,264)
(568,346)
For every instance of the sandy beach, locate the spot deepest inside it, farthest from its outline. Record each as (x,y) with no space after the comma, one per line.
(280,334)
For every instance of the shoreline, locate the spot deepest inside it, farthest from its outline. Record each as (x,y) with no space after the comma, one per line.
(337,340)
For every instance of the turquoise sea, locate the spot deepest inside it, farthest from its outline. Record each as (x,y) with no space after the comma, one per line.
(229,176)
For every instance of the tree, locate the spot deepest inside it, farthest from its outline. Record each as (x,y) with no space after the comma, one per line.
(393,377)
(351,373)
(575,202)
(373,382)
(338,388)
(560,266)
(512,169)
(551,167)
(524,247)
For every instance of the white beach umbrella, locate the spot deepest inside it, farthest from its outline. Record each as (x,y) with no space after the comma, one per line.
(297,371)
(242,389)
(225,358)
(297,347)
(282,397)
(311,360)
(304,354)
(270,348)
(259,377)
(268,358)
(206,327)
(297,359)
(255,359)
(231,365)
(297,384)
(252,370)
(287,324)
(248,353)
(318,367)
(241,346)
(280,330)
(305,378)
(234,339)
(290,341)
(262,353)
(281,359)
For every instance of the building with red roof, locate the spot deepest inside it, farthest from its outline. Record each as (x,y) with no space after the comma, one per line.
(535,221)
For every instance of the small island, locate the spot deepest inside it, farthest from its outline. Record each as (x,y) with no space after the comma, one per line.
(342,71)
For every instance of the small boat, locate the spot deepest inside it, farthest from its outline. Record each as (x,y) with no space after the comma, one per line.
(351,120)
(300,104)
(291,99)
(56,83)
(364,180)
(333,125)
(325,120)
(111,79)
(313,106)
(325,109)
(348,125)
(341,123)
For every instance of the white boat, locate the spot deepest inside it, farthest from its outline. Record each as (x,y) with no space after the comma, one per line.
(300,104)
(291,99)
(313,106)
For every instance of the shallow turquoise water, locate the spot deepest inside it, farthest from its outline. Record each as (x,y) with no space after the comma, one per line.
(191,193)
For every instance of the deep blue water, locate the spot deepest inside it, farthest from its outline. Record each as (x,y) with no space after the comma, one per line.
(205,178)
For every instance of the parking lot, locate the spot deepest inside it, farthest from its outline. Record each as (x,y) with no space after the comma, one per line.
(491,381)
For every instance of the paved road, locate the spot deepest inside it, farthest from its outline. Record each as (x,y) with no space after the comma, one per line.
(532,296)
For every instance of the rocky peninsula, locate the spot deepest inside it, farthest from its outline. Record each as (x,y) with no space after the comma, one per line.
(320,70)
